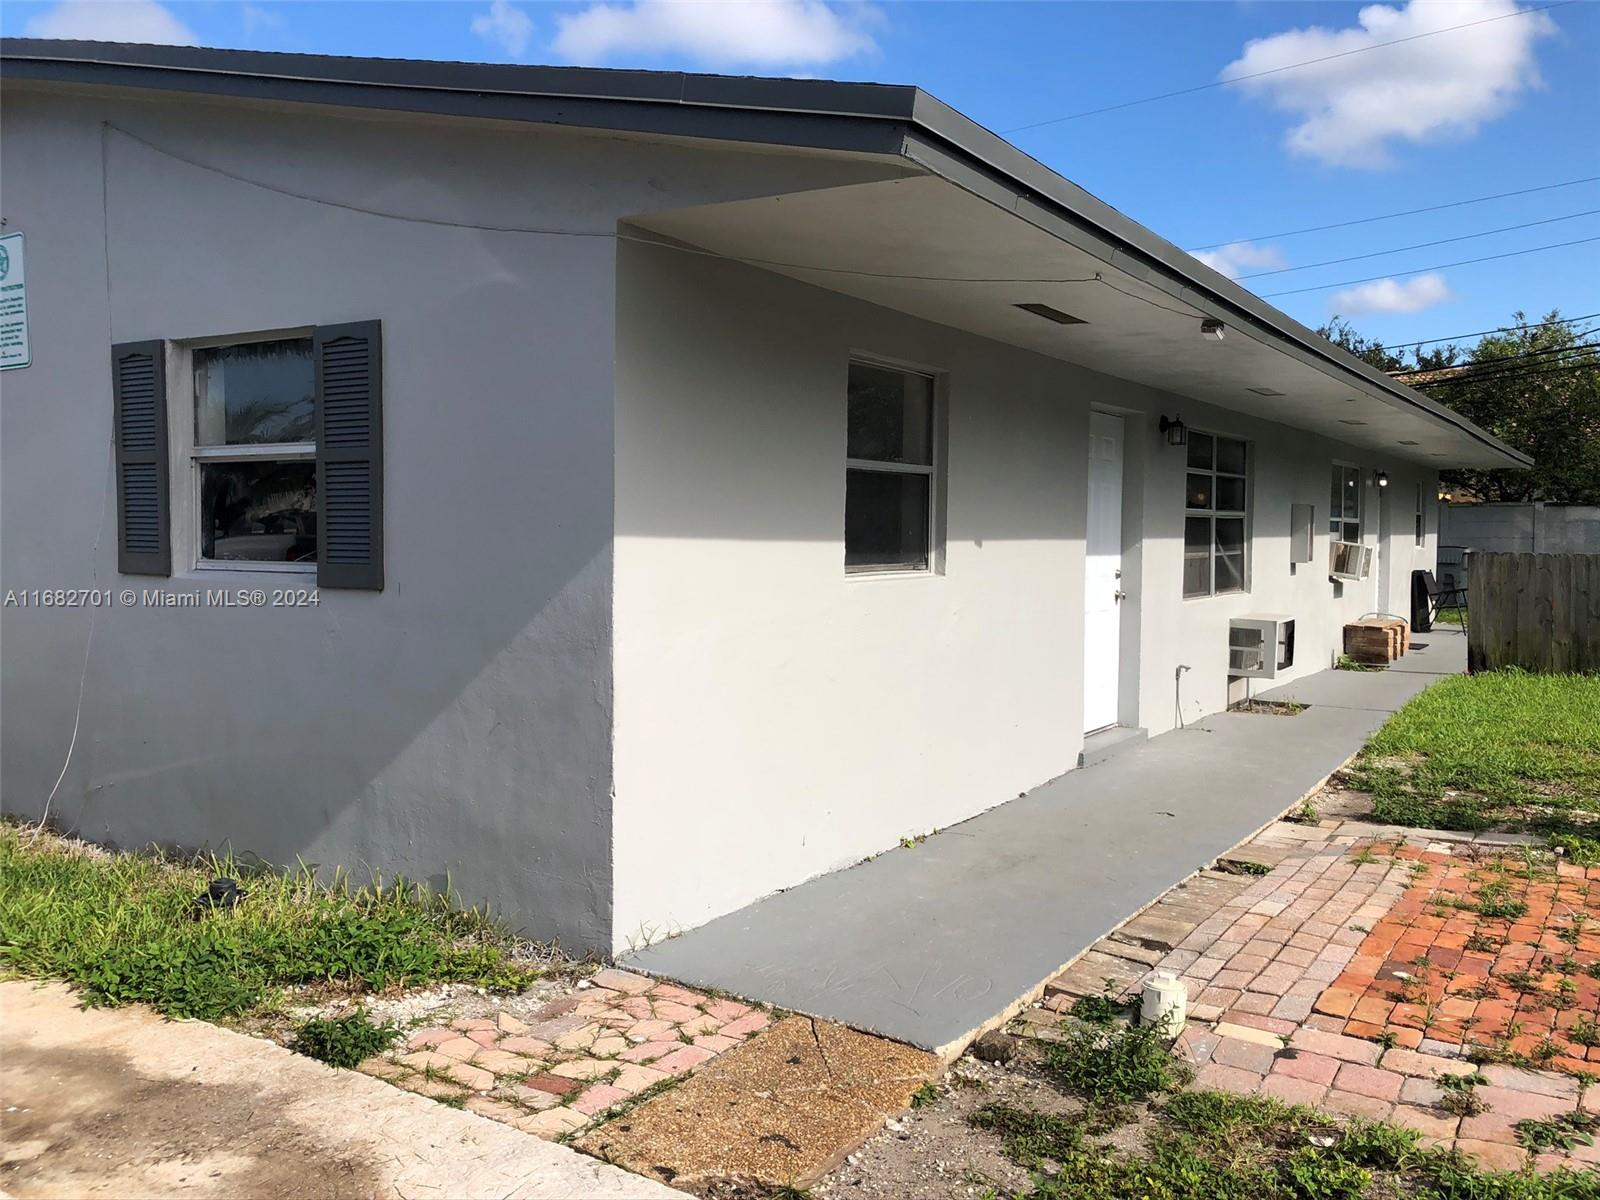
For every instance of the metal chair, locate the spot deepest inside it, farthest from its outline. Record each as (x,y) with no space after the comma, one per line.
(1442,599)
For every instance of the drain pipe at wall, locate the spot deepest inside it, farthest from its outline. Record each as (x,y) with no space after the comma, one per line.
(1177,691)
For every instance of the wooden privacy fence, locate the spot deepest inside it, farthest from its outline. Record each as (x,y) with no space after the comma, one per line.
(1540,612)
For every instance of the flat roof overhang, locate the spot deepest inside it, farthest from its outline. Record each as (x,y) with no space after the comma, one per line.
(1028,216)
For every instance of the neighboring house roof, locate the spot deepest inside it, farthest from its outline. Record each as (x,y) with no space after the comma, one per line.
(861,118)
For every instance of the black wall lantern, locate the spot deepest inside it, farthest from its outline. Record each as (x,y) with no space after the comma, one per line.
(1177,433)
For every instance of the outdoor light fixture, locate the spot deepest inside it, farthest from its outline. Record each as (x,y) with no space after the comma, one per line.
(1381,478)
(1177,432)
(1213,329)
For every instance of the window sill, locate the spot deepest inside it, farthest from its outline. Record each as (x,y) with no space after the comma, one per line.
(217,571)
(890,573)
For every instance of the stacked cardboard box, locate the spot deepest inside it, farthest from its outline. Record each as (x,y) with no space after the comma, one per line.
(1377,640)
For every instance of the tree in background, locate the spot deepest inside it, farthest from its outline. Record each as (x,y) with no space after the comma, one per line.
(1536,389)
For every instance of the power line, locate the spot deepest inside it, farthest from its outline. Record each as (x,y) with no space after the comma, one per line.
(1311,62)
(1506,360)
(1511,377)
(1487,332)
(1498,368)
(1465,262)
(1509,368)
(1410,212)
(1464,237)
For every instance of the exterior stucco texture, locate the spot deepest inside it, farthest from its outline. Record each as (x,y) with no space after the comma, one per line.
(454,727)
(784,719)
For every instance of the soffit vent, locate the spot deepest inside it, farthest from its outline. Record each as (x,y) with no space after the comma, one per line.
(1052,314)
(1265,391)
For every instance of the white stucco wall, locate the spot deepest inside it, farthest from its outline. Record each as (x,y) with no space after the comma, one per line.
(456,725)
(776,719)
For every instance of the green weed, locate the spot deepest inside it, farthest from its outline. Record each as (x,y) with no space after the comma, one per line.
(344,1041)
(125,928)
(1118,1066)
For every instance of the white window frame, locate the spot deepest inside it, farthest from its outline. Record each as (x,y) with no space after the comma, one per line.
(198,455)
(1214,512)
(930,564)
(1336,522)
(1422,519)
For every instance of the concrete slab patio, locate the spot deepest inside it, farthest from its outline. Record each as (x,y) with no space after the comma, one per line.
(928,945)
(119,1102)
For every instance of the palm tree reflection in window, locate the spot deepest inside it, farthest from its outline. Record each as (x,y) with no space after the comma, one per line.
(259,511)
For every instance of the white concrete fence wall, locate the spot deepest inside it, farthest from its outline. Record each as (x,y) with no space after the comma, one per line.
(1536,528)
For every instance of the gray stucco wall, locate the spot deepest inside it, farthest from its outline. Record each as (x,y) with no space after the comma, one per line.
(457,725)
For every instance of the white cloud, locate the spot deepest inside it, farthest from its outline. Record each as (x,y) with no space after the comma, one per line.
(764,33)
(256,19)
(1237,258)
(506,26)
(1438,87)
(1392,296)
(112,21)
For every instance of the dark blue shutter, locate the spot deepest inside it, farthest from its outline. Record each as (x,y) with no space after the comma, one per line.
(139,416)
(350,455)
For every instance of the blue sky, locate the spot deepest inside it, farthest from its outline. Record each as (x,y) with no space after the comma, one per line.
(1508,102)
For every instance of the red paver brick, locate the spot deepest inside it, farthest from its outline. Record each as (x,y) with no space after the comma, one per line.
(1289,1090)
(684,1058)
(752,1022)
(1428,1122)
(1369,1081)
(1215,1077)
(622,981)
(555,1085)
(531,1047)
(1493,1155)
(598,1097)
(649,1051)
(1353,1104)
(429,1039)
(1347,1049)
(726,1010)
(1315,1068)
(1248,1056)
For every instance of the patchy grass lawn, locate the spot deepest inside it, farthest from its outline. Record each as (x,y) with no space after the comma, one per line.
(126,927)
(1503,750)
(1213,1146)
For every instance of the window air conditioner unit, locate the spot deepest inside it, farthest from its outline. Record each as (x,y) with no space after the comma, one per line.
(1261,645)
(1349,560)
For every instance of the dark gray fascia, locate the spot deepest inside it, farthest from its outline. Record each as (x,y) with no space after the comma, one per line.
(814,114)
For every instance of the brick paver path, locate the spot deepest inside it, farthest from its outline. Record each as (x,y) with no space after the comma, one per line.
(579,1057)
(1305,985)
(1501,951)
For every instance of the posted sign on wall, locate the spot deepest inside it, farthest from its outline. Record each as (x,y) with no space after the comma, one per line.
(14,350)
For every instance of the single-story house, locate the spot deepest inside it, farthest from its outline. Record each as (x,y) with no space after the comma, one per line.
(622,494)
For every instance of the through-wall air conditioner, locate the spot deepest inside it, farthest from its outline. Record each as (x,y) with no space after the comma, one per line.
(1349,560)
(1260,645)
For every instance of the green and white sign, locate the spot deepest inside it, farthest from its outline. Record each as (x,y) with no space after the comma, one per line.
(14,350)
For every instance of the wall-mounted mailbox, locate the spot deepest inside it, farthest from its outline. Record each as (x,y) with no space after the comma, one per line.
(1302,522)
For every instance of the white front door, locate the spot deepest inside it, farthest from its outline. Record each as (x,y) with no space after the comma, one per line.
(1102,573)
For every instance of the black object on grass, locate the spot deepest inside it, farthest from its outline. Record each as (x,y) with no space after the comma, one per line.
(222,893)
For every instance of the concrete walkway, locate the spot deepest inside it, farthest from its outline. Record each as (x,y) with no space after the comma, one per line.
(931,944)
(118,1102)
